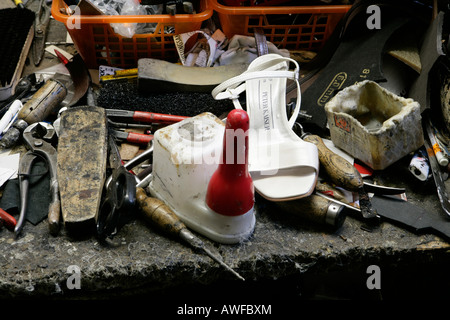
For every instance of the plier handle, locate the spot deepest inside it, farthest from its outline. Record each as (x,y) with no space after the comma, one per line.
(38,139)
(40,31)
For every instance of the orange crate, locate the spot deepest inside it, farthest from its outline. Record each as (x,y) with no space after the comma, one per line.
(288,27)
(97,43)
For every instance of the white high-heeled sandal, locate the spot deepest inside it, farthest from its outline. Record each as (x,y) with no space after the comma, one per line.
(282,165)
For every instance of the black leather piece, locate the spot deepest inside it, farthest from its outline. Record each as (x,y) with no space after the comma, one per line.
(411,216)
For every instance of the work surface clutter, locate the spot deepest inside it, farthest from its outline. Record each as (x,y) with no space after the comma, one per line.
(196,142)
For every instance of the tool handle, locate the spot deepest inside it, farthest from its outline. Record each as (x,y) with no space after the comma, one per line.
(152,117)
(139,138)
(341,172)
(158,213)
(19,4)
(54,212)
(316,209)
(8,220)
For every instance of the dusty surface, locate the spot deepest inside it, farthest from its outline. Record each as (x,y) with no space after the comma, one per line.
(286,257)
(294,252)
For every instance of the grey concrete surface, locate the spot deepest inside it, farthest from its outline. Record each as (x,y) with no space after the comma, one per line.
(286,257)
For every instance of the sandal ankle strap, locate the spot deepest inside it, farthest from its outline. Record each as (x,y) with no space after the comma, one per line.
(265,67)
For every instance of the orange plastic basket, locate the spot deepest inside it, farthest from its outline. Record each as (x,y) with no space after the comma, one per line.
(288,27)
(97,43)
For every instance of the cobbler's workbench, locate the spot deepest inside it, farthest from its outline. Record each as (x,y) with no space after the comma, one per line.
(286,257)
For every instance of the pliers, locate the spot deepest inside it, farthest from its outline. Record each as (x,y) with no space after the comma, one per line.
(40,31)
(38,138)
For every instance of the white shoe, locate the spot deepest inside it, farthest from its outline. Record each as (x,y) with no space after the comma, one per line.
(282,165)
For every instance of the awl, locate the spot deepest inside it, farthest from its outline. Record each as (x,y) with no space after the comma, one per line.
(158,213)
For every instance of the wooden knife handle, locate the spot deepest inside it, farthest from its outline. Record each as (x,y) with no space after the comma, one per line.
(340,171)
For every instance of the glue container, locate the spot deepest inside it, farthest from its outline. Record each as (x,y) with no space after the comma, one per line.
(185,157)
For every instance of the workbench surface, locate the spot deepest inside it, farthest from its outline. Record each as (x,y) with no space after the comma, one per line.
(285,258)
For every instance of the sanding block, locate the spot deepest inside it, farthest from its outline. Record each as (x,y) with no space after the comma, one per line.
(82,161)
(156,75)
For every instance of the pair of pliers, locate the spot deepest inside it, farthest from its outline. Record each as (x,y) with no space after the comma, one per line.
(38,139)
(120,196)
(41,22)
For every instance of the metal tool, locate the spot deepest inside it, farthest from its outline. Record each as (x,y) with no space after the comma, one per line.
(126,125)
(40,32)
(117,207)
(129,165)
(132,137)
(38,139)
(412,216)
(13,135)
(378,191)
(147,117)
(158,213)
(341,172)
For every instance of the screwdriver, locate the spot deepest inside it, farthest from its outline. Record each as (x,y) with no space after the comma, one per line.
(144,116)
(316,209)
(341,172)
(157,212)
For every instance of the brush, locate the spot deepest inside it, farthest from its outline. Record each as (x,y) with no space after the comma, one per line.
(17,32)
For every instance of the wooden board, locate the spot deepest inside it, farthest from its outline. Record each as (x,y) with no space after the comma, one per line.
(82,160)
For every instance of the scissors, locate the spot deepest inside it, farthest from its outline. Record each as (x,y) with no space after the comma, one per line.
(117,207)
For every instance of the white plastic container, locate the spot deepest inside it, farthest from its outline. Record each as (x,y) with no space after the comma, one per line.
(185,156)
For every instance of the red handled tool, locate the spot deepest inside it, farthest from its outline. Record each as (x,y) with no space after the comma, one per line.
(8,221)
(132,137)
(147,117)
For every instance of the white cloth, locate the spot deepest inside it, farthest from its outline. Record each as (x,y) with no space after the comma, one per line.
(242,49)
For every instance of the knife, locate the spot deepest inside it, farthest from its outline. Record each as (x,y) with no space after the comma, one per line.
(406,214)
(411,216)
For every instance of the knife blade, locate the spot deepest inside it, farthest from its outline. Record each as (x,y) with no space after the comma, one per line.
(412,216)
